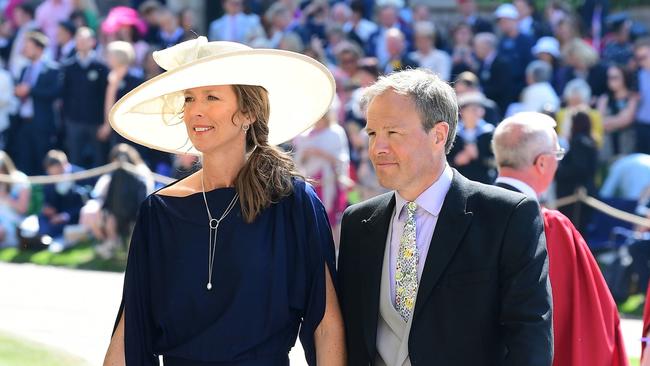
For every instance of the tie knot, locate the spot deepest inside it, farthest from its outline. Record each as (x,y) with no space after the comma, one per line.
(411,207)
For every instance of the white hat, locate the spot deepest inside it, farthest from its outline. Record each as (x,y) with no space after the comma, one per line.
(547,45)
(300,91)
(506,11)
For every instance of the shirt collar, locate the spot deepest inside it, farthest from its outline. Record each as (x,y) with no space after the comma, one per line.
(432,198)
(521,186)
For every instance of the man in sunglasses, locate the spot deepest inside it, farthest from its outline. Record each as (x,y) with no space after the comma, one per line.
(586,324)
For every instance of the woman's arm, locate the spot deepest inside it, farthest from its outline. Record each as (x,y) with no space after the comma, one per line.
(329,336)
(115,353)
(624,118)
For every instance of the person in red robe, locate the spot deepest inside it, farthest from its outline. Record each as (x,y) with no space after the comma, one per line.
(586,323)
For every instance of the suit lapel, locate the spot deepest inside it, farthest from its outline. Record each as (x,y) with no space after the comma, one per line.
(450,229)
(373,246)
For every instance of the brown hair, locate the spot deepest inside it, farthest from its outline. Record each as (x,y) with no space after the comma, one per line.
(267,175)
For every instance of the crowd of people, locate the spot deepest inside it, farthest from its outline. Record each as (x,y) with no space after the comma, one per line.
(64,65)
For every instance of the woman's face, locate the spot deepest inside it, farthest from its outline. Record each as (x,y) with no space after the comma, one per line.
(212,119)
(423,42)
(615,80)
(462,36)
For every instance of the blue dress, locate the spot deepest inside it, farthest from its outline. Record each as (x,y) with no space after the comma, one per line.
(268,281)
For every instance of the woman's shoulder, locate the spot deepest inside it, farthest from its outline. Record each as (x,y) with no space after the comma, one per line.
(180,188)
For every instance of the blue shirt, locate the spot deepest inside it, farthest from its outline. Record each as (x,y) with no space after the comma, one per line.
(643,113)
(426,216)
(628,177)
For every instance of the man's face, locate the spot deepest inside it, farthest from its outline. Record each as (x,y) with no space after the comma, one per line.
(31,50)
(403,154)
(388,17)
(642,57)
(394,46)
(84,43)
(482,49)
(507,25)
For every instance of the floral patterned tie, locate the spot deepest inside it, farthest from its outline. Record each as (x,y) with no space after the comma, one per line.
(406,275)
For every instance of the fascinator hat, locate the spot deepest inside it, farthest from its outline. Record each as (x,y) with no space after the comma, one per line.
(300,91)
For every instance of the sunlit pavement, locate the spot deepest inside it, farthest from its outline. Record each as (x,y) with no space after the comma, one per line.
(74,310)
(71,310)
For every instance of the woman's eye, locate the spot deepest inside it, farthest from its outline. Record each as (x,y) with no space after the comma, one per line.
(212,97)
(188,99)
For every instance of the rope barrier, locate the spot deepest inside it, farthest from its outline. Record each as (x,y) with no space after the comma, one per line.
(579,196)
(86,174)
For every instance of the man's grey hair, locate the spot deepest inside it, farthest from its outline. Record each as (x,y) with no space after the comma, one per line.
(519,139)
(578,87)
(486,38)
(435,101)
(540,71)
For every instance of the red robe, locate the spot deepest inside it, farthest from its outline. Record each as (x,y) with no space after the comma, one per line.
(586,324)
(646,319)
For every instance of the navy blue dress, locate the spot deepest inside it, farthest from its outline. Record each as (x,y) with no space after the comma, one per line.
(268,281)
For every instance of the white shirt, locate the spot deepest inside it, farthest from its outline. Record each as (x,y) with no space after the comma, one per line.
(437,61)
(521,186)
(535,96)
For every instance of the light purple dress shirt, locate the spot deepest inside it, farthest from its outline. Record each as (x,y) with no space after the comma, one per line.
(426,216)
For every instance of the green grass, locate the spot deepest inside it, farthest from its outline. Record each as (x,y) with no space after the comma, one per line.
(15,351)
(634,361)
(633,306)
(81,256)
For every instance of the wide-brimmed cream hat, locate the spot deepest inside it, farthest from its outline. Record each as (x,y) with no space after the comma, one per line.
(300,91)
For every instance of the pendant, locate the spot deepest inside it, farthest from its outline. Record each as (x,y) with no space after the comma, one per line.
(209,286)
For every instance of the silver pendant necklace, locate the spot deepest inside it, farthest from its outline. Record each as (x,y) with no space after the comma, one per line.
(214,229)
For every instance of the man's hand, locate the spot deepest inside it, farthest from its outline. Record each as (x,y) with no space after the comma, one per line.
(22,90)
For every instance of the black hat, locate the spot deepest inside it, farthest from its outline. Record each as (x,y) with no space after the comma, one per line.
(68,26)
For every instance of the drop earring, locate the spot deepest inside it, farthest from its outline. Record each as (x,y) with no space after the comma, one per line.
(245,127)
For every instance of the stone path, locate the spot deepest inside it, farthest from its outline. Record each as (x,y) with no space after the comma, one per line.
(74,310)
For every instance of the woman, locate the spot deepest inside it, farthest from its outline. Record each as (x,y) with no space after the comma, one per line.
(109,214)
(578,169)
(322,153)
(14,200)
(577,95)
(268,268)
(461,55)
(120,56)
(471,153)
(426,53)
(618,108)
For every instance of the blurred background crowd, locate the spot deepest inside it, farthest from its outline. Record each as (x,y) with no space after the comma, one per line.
(64,63)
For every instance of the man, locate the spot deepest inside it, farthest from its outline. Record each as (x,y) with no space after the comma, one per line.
(65,41)
(539,95)
(628,178)
(388,18)
(467,82)
(398,59)
(442,270)
(38,87)
(84,88)
(514,45)
(234,25)
(24,18)
(470,15)
(586,324)
(48,15)
(494,71)
(62,201)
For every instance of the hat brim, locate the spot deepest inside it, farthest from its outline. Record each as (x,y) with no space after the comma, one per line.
(300,91)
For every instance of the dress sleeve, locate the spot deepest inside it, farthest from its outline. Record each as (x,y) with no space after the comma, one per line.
(318,251)
(136,301)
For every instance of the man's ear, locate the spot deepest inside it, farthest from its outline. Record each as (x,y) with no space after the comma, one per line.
(440,132)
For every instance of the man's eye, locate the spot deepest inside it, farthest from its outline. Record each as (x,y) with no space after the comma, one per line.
(188,99)
(212,97)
